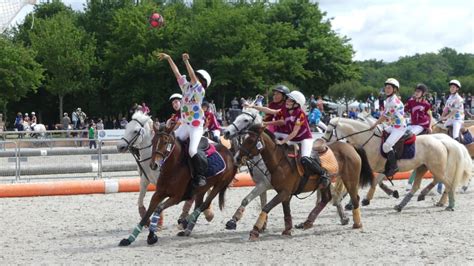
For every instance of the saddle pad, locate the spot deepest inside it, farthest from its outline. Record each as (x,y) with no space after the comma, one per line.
(215,164)
(467,138)
(329,162)
(408,152)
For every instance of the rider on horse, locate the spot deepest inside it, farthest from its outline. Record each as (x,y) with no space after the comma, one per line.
(453,112)
(211,123)
(278,102)
(394,116)
(420,111)
(192,115)
(175,100)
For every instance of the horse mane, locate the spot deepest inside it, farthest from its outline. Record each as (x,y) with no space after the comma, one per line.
(256,128)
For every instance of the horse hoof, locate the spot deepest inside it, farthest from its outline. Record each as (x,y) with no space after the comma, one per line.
(464,188)
(421,197)
(451,209)
(209,215)
(254,235)
(349,207)
(365,202)
(152,239)
(184,233)
(231,225)
(182,223)
(395,194)
(125,242)
(286,232)
(345,221)
(299,226)
(307,226)
(263,227)
(357,226)
(398,208)
(439,204)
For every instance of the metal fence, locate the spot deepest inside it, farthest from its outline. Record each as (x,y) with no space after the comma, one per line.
(55,156)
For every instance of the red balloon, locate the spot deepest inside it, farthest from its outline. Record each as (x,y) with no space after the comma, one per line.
(156,20)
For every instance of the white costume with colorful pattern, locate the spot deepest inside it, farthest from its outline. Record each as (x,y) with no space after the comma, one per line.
(192,115)
(455,103)
(396,124)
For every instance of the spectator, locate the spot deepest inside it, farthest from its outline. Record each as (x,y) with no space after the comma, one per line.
(320,104)
(234,103)
(353,113)
(381,101)
(65,121)
(371,101)
(145,108)
(123,123)
(33,120)
(19,122)
(116,123)
(157,122)
(26,119)
(212,107)
(468,101)
(82,118)
(100,124)
(92,136)
(75,120)
(219,116)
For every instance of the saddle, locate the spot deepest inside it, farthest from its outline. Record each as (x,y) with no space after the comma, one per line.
(465,136)
(406,140)
(320,149)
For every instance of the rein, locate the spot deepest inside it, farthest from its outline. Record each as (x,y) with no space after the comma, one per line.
(352,134)
(136,151)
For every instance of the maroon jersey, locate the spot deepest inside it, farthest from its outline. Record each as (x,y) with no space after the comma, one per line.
(274,106)
(418,112)
(297,118)
(211,121)
(176,116)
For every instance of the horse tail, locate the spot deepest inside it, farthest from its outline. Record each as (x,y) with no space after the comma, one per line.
(222,198)
(366,173)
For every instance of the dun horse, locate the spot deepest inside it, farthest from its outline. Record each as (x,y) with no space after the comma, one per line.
(285,178)
(174,184)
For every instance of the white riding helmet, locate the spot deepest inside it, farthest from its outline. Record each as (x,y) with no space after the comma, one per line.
(392,82)
(26,114)
(205,75)
(455,82)
(298,97)
(175,96)
(33,113)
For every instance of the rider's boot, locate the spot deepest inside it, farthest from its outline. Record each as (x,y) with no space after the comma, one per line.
(199,162)
(391,166)
(312,166)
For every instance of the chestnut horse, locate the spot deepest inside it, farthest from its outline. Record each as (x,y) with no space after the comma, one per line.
(285,178)
(175,181)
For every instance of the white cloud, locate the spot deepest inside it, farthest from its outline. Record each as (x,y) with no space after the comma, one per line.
(390,29)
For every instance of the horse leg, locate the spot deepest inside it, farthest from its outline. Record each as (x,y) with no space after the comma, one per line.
(391,192)
(370,194)
(426,190)
(325,198)
(155,219)
(280,197)
(337,196)
(209,213)
(442,200)
(184,213)
(263,202)
(258,190)
(199,207)
(143,188)
(288,220)
(420,171)
(452,200)
(155,200)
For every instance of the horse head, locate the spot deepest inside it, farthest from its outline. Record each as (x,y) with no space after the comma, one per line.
(137,134)
(163,144)
(252,145)
(247,118)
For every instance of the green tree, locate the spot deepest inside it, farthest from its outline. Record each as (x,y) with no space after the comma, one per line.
(19,72)
(66,51)
(345,92)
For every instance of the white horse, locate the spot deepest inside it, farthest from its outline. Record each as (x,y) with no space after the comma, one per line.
(35,130)
(137,139)
(438,154)
(258,170)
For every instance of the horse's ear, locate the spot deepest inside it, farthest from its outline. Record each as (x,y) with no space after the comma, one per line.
(156,127)
(261,128)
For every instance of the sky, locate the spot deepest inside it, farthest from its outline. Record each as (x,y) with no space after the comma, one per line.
(389,29)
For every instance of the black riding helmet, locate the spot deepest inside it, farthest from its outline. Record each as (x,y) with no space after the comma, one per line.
(282,89)
(421,87)
(205,103)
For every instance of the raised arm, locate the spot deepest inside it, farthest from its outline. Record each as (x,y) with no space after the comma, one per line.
(190,69)
(174,68)
(266,110)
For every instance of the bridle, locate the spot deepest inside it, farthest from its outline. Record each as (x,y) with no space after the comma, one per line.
(136,151)
(258,144)
(334,131)
(170,145)
(247,126)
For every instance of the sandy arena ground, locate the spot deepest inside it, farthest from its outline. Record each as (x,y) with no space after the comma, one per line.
(87,229)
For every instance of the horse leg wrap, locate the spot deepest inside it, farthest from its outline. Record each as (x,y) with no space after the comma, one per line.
(154,221)
(356,218)
(261,220)
(452,201)
(194,216)
(405,200)
(239,213)
(136,231)
(288,223)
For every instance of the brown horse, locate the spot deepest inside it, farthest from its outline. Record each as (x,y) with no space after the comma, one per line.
(174,184)
(352,164)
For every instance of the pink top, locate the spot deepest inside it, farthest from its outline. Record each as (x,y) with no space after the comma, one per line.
(418,112)
(297,118)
